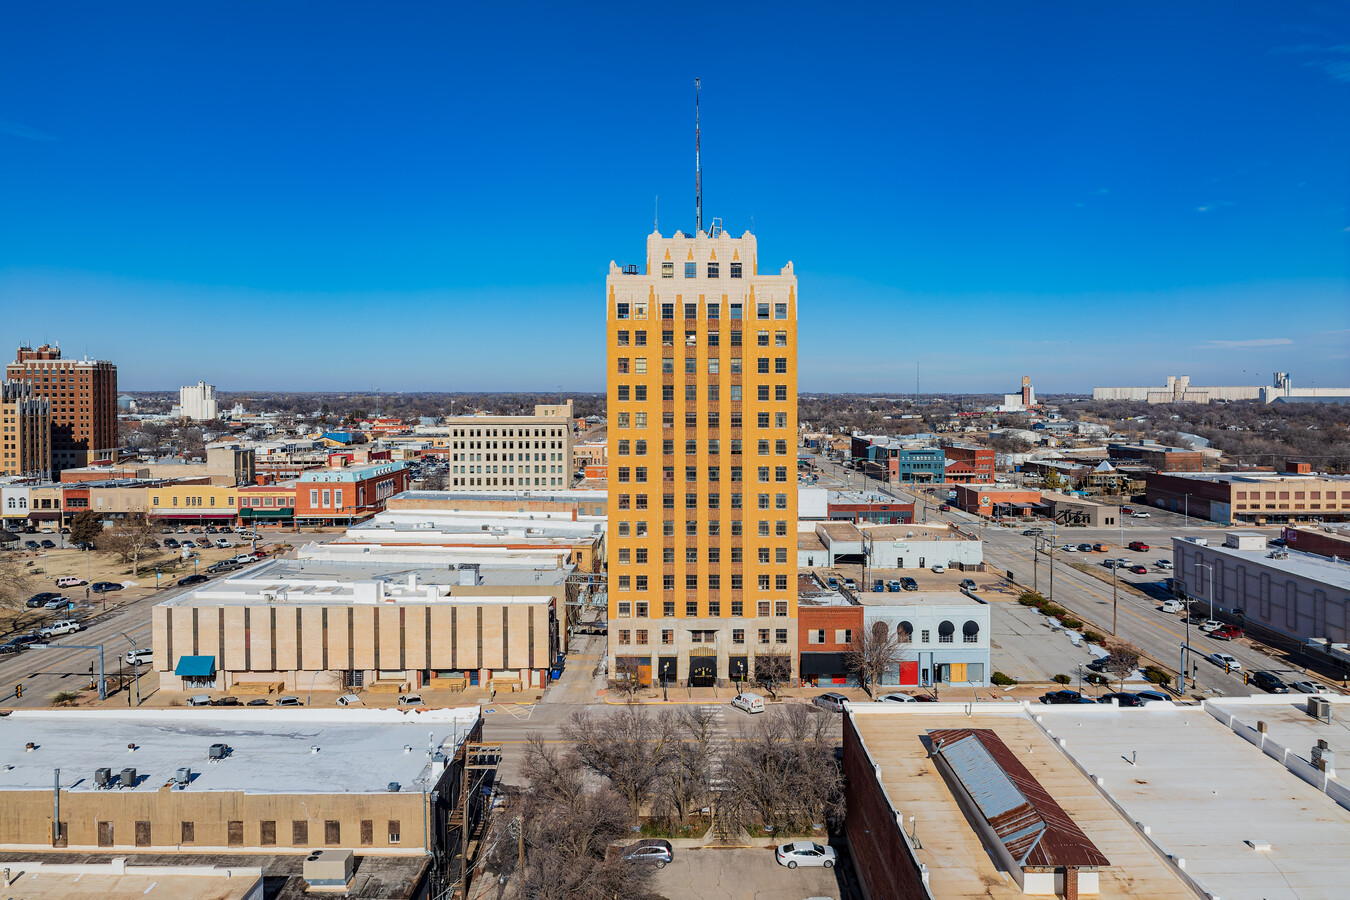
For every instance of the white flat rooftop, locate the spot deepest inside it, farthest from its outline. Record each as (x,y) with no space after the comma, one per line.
(916,598)
(360,751)
(1335,573)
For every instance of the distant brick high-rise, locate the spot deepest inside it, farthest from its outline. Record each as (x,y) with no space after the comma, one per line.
(83,398)
(702,407)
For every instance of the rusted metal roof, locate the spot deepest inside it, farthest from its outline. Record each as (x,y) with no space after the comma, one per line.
(1034,828)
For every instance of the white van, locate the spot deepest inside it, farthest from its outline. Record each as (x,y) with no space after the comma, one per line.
(200,700)
(1173,606)
(143,656)
(751,703)
(67,581)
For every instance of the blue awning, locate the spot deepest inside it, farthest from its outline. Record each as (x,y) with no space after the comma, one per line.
(196,666)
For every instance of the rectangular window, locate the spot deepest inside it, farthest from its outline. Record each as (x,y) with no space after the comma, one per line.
(780,310)
(267,834)
(667,271)
(690,271)
(780,635)
(668,609)
(737,607)
(691,606)
(143,833)
(332,832)
(395,831)
(187,832)
(667,637)
(712,269)
(761,311)
(299,832)
(736,273)
(234,834)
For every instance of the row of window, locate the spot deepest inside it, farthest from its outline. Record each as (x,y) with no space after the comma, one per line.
(505,432)
(626,636)
(267,833)
(764,608)
(624,419)
(736,309)
(191,501)
(713,501)
(638,583)
(734,393)
(1284,495)
(639,555)
(505,482)
(639,528)
(714,339)
(713,445)
(638,474)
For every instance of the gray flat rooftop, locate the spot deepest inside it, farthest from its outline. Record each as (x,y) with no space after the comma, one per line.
(913,533)
(309,570)
(360,750)
(449,497)
(917,598)
(1305,565)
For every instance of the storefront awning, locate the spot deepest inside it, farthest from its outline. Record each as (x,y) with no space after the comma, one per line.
(250,513)
(196,667)
(823,664)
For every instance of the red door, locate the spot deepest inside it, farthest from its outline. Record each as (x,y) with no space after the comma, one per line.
(909,672)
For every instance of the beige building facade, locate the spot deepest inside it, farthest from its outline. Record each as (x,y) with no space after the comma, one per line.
(26,439)
(493,453)
(702,408)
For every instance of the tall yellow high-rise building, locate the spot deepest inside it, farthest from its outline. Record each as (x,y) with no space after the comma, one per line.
(702,408)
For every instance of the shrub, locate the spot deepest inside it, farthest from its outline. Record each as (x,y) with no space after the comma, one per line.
(1061,679)
(1051,609)
(1157,676)
(1096,678)
(1031,598)
(1002,680)
(65,698)
(1093,637)
(1071,622)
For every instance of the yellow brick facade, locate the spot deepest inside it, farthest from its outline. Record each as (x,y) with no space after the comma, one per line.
(702,406)
(206,500)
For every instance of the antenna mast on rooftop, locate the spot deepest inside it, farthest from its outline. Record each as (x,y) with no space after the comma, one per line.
(698,169)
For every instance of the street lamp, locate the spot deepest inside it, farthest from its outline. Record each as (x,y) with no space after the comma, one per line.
(135,668)
(1199,565)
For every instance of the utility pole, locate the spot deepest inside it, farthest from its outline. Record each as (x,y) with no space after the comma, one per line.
(1115,581)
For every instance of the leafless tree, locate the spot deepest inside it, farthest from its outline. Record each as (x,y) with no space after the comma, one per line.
(686,785)
(773,668)
(130,542)
(1122,659)
(629,747)
(624,679)
(15,582)
(782,773)
(872,652)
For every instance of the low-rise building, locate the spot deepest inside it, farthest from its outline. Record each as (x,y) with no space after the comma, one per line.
(997,500)
(579,503)
(921,547)
(497,452)
(267,504)
(944,637)
(1257,498)
(198,504)
(1327,540)
(826,624)
(857,506)
(1161,457)
(1071,510)
(340,494)
(979,460)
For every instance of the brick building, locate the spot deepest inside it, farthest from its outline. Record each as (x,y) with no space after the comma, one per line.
(979,460)
(826,623)
(1159,456)
(984,500)
(340,494)
(83,398)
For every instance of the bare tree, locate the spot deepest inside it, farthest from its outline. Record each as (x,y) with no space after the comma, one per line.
(630,747)
(1122,659)
(873,652)
(773,668)
(686,785)
(625,677)
(130,541)
(15,582)
(782,773)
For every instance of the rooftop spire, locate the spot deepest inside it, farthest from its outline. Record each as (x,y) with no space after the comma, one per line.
(698,169)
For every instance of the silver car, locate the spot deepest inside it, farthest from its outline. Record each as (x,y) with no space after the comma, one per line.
(805,853)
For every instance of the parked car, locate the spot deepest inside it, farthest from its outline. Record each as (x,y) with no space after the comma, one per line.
(1164,564)
(909,584)
(192,579)
(850,584)
(969,584)
(259,701)
(1227,633)
(1138,546)
(1139,570)
(897,698)
(1210,625)
(1153,697)
(172,544)
(410,700)
(1033,531)
(1225,660)
(69,581)
(832,701)
(1068,548)
(751,703)
(143,656)
(222,543)
(653,850)
(939,569)
(58,603)
(1099,548)
(1122,699)
(1055,698)
(105,587)
(1085,548)
(1141,515)
(1270,683)
(227,700)
(32,545)
(19,643)
(1173,606)
(805,853)
(1098,664)
(243,558)
(58,628)
(1127,510)
(349,700)
(893,585)
(1309,687)
(37,601)
(289,701)
(189,545)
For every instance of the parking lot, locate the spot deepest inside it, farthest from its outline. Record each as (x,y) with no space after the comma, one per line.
(748,874)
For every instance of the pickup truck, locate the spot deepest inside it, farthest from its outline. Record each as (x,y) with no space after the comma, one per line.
(1227,633)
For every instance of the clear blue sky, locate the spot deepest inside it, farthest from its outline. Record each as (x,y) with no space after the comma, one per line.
(426,196)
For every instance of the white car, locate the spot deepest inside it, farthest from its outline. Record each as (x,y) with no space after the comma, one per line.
(939,569)
(1142,515)
(1210,625)
(222,543)
(1309,687)
(805,853)
(1228,662)
(56,629)
(1068,548)
(751,703)
(58,603)
(144,656)
(897,698)
(349,700)
(1164,564)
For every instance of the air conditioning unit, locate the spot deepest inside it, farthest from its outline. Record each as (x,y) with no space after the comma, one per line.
(128,777)
(217,751)
(329,868)
(1319,708)
(182,775)
(102,777)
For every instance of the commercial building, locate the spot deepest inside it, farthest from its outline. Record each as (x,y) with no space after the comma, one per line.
(578,503)
(1161,457)
(1257,498)
(997,500)
(921,547)
(197,402)
(856,506)
(34,878)
(944,636)
(382,783)
(267,504)
(83,398)
(826,624)
(1293,594)
(1070,510)
(1327,540)
(1094,800)
(230,464)
(333,624)
(341,494)
(493,453)
(899,460)
(1180,390)
(197,504)
(26,439)
(978,460)
(702,465)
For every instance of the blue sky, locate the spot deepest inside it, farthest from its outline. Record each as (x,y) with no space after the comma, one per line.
(426,196)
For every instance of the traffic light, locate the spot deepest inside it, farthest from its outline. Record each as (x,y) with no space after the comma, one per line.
(18,690)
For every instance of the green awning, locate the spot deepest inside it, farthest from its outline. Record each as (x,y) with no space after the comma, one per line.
(251,513)
(196,667)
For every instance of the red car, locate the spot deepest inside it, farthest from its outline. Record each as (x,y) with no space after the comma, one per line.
(1227,633)
(945,507)
(1139,570)
(1139,545)
(1129,511)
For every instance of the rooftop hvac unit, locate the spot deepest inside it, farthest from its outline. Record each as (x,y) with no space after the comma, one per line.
(102,777)
(182,775)
(217,751)
(329,868)
(394,787)
(128,778)
(1319,708)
